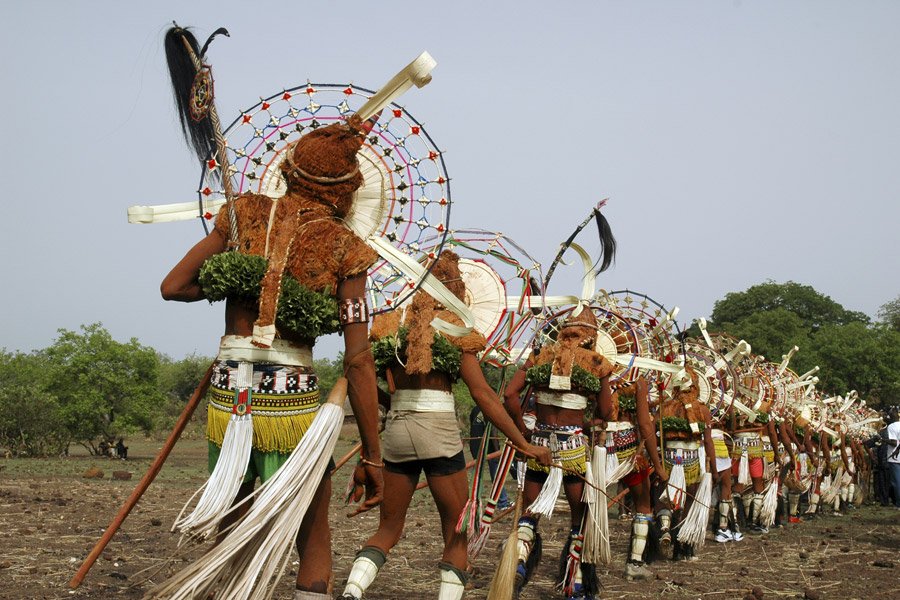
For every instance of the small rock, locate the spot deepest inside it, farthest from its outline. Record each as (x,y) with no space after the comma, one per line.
(817,573)
(5,564)
(809,594)
(845,549)
(155,522)
(107,556)
(121,475)
(757,591)
(678,582)
(93,473)
(884,564)
(744,571)
(804,555)
(117,575)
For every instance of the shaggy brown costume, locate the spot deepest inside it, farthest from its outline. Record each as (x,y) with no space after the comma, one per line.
(685,404)
(422,310)
(569,350)
(311,211)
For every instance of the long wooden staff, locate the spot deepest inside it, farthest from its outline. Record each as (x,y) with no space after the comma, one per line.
(145,482)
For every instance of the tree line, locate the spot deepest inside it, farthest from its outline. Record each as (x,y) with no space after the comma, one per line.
(87,387)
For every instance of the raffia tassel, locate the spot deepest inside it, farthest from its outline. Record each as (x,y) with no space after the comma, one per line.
(596,528)
(619,470)
(503,583)
(675,488)
(769,504)
(693,528)
(744,470)
(253,557)
(220,490)
(546,500)
(833,487)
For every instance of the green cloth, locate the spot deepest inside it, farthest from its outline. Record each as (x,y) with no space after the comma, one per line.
(262,464)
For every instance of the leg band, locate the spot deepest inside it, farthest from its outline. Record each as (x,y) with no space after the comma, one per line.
(724,514)
(368,562)
(640,528)
(453,582)
(525,537)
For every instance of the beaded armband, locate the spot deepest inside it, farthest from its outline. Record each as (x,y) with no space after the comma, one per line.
(353,310)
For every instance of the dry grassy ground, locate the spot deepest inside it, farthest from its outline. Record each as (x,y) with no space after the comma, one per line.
(50,517)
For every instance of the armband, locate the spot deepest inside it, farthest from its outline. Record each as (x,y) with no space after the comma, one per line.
(353,310)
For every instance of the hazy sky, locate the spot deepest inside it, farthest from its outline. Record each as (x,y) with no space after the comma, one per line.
(737,141)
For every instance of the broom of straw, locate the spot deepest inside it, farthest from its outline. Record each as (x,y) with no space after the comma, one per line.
(503,583)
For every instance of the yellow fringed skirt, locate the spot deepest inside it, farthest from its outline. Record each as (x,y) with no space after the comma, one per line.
(283,403)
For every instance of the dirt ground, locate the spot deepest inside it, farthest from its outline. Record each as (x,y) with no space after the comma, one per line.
(50,517)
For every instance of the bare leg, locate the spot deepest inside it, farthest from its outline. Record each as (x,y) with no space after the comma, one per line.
(574,492)
(399,490)
(450,495)
(640,495)
(314,543)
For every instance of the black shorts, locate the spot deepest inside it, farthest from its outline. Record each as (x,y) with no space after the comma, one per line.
(541,477)
(443,465)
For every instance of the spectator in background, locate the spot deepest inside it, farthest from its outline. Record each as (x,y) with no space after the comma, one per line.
(121,449)
(893,452)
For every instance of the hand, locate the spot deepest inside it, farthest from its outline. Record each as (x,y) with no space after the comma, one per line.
(715,476)
(662,474)
(541,454)
(367,480)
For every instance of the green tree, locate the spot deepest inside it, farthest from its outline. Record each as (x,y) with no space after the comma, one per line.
(856,357)
(33,424)
(177,381)
(106,388)
(889,313)
(814,309)
(328,371)
(772,333)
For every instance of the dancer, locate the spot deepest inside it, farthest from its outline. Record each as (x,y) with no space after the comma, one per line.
(631,439)
(683,433)
(569,378)
(298,238)
(422,433)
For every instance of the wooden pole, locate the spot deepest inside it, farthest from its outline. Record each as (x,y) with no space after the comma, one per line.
(145,482)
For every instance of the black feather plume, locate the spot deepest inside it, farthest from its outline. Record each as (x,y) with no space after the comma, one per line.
(200,135)
(607,241)
(219,31)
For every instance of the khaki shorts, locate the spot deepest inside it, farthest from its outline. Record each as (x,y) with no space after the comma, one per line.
(412,435)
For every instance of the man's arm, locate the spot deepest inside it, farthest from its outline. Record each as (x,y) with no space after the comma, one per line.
(181,283)
(359,368)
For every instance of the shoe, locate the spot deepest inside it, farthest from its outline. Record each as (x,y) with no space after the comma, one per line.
(665,539)
(502,507)
(723,535)
(795,520)
(521,579)
(837,513)
(737,535)
(637,570)
(578,593)
(346,596)
(760,529)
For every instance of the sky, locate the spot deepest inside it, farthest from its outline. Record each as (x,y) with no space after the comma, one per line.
(736,141)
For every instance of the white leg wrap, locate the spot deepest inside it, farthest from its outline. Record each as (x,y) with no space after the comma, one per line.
(452,586)
(794,500)
(757,506)
(524,541)
(747,499)
(724,514)
(639,531)
(665,521)
(845,493)
(304,595)
(362,574)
